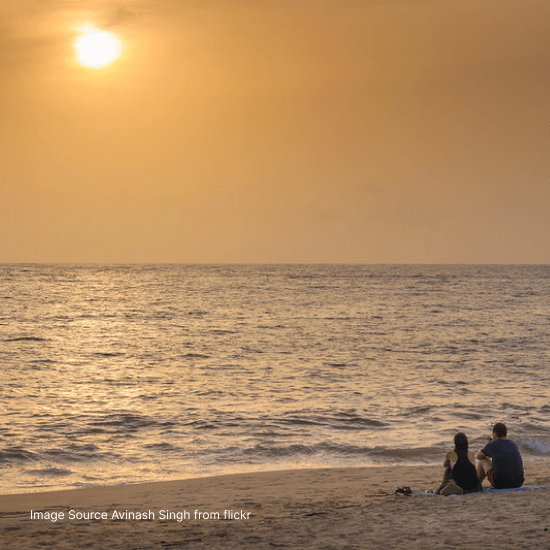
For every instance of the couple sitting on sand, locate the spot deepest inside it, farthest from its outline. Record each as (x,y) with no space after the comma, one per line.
(499,461)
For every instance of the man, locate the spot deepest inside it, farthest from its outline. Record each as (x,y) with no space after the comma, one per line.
(500,461)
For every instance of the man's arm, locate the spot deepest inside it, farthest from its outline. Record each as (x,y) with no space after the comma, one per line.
(485,452)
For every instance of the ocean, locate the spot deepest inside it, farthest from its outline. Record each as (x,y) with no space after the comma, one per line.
(115,374)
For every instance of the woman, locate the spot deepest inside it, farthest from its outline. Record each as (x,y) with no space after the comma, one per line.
(463,472)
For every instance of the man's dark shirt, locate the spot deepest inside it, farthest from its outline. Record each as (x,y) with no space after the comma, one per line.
(507,463)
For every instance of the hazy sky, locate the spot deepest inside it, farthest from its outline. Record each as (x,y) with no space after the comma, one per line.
(371,131)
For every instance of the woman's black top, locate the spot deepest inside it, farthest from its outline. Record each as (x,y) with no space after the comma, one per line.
(464,472)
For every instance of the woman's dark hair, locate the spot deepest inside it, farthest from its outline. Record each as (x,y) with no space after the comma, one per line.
(500,429)
(461,442)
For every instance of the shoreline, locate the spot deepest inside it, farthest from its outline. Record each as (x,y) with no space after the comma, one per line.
(306,508)
(196,477)
(533,465)
(13,490)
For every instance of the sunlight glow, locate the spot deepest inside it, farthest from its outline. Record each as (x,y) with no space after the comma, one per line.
(97,49)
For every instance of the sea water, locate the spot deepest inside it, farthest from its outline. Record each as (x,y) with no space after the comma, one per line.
(122,374)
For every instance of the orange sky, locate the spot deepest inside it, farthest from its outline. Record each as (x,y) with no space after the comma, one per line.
(371,131)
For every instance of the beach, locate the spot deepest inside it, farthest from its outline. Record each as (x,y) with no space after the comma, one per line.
(309,508)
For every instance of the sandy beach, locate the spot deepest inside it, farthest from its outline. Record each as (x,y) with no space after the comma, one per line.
(316,508)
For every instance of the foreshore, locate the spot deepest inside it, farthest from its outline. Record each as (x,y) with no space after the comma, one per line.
(311,508)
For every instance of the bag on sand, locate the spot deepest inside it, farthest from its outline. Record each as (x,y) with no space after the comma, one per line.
(449,487)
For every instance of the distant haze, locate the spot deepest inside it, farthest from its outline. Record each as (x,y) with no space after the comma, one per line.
(361,131)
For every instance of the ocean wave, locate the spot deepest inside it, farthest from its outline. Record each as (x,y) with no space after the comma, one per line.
(50,472)
(516,407)
(128,422)
(262,452)
(79,454)
(27,339)
(416,411)
(338,421)
(273,451)
(469,416)
(535,446)
(164,447)
(405,454)
(17,455)
(61,455)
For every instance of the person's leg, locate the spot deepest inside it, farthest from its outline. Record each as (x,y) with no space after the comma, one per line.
(447,474)
(483,467)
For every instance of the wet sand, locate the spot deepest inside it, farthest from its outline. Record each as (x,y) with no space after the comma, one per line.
(316,508)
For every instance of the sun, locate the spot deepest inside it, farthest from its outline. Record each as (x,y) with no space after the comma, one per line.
(97,49)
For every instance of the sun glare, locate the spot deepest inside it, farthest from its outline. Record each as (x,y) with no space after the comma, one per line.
(97,49)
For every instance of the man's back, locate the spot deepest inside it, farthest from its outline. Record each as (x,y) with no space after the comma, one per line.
(507,463)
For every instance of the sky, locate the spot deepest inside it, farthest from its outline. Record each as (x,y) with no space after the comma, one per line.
(276,131)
